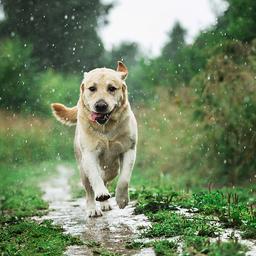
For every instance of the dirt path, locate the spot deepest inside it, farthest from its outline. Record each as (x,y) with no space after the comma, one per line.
(112,230)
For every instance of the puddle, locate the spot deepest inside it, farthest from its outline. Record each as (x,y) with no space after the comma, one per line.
(112,230)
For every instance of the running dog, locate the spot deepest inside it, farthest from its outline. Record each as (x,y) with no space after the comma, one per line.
(106,135)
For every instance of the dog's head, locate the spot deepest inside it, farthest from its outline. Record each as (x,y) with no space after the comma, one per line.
(103,91)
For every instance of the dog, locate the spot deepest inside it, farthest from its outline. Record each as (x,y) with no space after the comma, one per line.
(105,137)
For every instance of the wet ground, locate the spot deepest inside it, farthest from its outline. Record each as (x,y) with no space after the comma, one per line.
(114,228)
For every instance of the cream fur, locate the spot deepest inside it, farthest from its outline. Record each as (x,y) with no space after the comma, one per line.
(103,151)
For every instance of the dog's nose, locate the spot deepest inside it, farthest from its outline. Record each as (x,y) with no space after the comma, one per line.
(101,106)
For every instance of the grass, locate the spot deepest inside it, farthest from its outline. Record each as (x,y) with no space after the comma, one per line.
(20,195)
(23,237)
(228,207)
(165,248)
(199,246)
(33,140)
(21,198)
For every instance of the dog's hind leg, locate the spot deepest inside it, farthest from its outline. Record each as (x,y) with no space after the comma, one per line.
(122,196)
(91,207)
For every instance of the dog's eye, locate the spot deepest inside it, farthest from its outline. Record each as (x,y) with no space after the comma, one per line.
(92,88)
(111,88)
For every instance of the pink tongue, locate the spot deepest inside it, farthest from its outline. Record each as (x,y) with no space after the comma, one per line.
(94,116)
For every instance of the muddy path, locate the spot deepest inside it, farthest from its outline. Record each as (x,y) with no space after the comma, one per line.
(111,231)
(115,227)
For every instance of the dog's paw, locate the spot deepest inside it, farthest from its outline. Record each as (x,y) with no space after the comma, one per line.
(94,212)
(105,206)
(102,195)
(122,197)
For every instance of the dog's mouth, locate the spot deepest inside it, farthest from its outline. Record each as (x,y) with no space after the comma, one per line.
(100,118)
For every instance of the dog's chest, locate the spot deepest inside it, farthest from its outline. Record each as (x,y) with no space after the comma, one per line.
(110,159)
(110,151)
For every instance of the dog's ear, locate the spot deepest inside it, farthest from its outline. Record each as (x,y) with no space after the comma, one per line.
(122,69)
(82,87)
(82,84)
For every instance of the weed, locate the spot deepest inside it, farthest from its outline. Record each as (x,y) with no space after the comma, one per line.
(165,248)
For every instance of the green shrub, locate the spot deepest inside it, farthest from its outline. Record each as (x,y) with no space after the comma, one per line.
(57,87)
(17,77)
(226,105)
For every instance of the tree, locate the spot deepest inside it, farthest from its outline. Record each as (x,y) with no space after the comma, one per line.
(129,52)
(175,43)
(64,34)
(239,20)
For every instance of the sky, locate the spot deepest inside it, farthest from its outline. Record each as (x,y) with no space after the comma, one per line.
(147,22)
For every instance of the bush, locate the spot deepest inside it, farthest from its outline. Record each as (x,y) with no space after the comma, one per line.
(17,77)
(58,88)
(226,105)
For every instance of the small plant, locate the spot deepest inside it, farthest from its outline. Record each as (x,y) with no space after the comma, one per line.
(165,248)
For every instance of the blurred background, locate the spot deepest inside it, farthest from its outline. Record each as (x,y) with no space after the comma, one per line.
(192,82)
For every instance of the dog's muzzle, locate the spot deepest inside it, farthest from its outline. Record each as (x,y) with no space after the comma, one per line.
(99,117)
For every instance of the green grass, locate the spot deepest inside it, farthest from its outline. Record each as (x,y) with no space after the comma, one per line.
(33,140)
(198,245)
(25,237)
(232,208)
(20,195)
(21,198)
(165,248)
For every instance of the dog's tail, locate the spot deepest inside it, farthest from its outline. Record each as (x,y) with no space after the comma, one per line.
(65,115)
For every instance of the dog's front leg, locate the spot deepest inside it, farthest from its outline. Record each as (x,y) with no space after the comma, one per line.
(92,171)
(122,196)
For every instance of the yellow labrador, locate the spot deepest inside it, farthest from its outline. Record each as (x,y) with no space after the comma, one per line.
(106,135)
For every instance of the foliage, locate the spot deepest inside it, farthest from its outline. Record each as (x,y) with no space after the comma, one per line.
(64,36)
(239,21)
(128,52)
(58,88)
(226,106)
(165,248)
(18,88)
(25,90)
(175,43)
